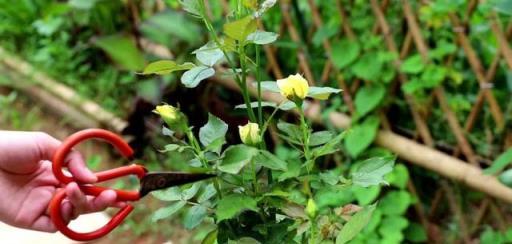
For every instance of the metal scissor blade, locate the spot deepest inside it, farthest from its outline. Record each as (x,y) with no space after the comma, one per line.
(157,181)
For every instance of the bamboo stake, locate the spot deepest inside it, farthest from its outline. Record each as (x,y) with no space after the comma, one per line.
(272,60)
(438,91)
(303,62)
(482,209)
(421,126)
(502,40)
(90,108)
(477,67)
(457,212)
(54,104)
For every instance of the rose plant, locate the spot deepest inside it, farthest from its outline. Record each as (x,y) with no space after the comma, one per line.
(259,195)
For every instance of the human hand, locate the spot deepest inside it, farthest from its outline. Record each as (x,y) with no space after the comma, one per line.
(27,183)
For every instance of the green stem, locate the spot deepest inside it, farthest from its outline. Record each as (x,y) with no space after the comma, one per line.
(241,81)
(258,80)
(254,178)
(245,91)
(312,236)
(197,148)
(305,135)
(265,125)
(199,153)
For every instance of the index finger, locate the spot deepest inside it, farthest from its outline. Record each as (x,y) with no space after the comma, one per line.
(78,168)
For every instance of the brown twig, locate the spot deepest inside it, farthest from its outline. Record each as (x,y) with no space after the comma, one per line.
(303,62)
(477,67)
(350,33)
(421,126)
(455,208)
(438,91)
(482,209)
(420,211)
(328,65)
(504,47)
(271,58)
(436,200)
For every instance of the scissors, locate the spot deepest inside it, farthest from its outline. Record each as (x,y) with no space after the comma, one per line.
(148,182)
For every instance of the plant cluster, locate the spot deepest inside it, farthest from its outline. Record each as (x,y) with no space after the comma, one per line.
(259,195)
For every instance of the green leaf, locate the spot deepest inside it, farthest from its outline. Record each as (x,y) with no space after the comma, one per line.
(194,216)
(333,196)
(236,157)
(168,211)
(412,65)
(157,29)
(330,147)
(293,131)
(192,7)
(255,105)
(213,130)
(433,76)
(210,238)
(506,178)
(365,195)
(416,233)
(392,226)
(355,225)
(320,137)
(122,50)
(500,163)
(240,29)
(361,136)
(207,193)
(245,240)
(321,93)
(398,177)
(82,5)
(503,6)
(209,54)
(262,37)
(231,205)
(285,106)
(323,33)
(289,105)
(169,194)
(412,86)
(344,52)
(173,148)
(331,177)
(395,203)
(489,236)
(269,160)
(164,67)
(270,86)
(368,67)
(192,77)
(368,97)
(292,172)
(189,193)
(372,171)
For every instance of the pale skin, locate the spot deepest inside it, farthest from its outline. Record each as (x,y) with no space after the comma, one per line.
(27,183)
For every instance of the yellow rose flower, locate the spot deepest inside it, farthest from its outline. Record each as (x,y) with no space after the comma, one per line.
(172,116)
(250,134)
(294,87)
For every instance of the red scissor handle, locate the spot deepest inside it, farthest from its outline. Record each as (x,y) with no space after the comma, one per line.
(58,162)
